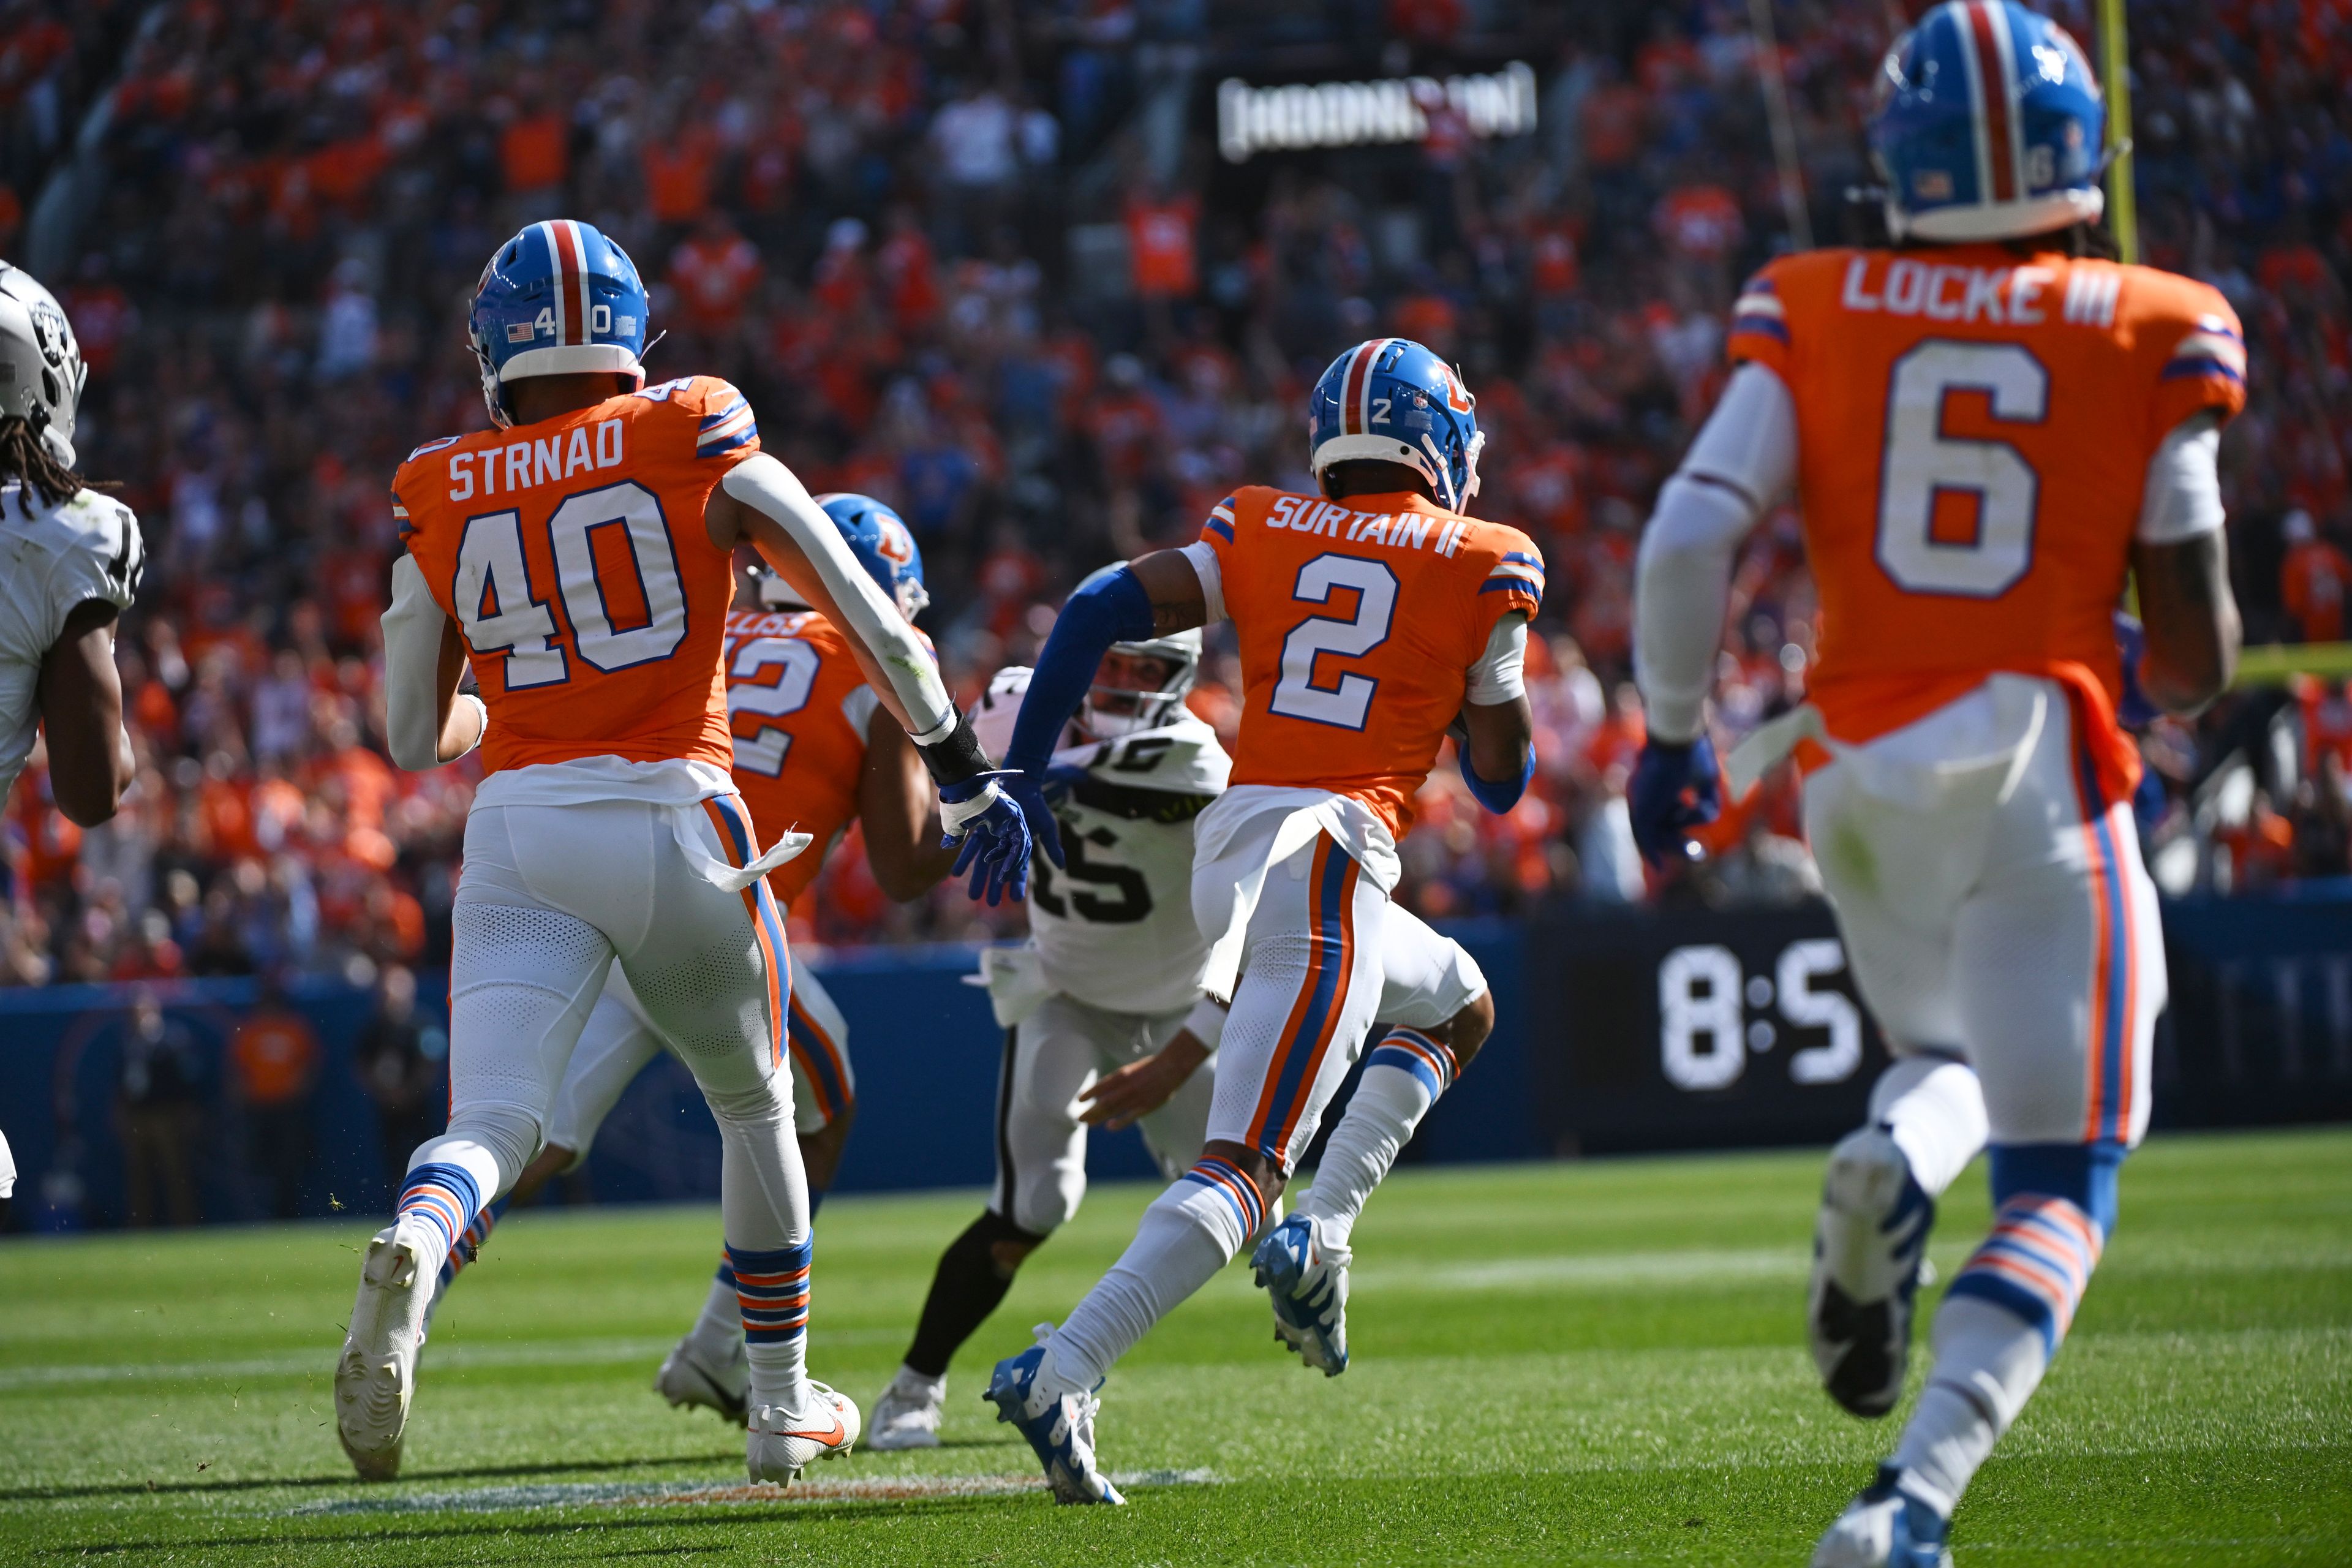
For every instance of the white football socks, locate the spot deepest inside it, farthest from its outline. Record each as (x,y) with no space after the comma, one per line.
(1403,1076)
(1189,1232)
(764,1206)
(1933,1109)
(719,1327)
(1989,1361)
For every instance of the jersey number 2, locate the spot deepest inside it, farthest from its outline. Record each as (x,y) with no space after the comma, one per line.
(756,692)
(502,615)
(1921,463)
(1346,704)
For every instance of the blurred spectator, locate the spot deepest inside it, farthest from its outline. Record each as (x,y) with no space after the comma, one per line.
(869,218)
(273,1064)
(2312,580)
(399,1058)
(156,1114)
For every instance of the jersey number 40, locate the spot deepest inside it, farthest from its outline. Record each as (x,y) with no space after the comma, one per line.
(1927,545)
(609,528)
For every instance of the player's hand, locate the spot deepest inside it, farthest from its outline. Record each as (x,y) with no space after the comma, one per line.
(1123,1097)
(991,833)
(2132,709)
(1055,784)
(1034,793)
(1674,790)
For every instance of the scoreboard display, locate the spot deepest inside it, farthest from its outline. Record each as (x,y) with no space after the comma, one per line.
(1681,1029)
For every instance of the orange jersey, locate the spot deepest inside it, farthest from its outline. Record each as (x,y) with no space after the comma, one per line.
(572,556)
(1973,431)
(799,706)
(1358,622)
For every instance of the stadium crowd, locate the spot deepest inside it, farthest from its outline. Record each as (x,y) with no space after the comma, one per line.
(980,260)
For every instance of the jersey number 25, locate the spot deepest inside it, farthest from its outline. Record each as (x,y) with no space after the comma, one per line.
(1921,463)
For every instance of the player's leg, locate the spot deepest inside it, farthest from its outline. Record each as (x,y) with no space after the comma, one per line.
(1438,1011)
(2062,970)
(1310,982)
(1041,1178)
(615,1046)
(1926,1115)
(711,969)
(824,1089)
(524,974)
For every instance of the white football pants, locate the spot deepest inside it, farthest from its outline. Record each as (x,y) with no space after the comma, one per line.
(619,1040)
(2015,932)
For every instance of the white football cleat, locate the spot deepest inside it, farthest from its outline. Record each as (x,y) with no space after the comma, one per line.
(1885,1527)
(778,1445)
(907,1414)
(1870,1245)
(691,1375)
(376,1377)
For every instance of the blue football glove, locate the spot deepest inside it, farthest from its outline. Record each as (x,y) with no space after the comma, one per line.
(1674,790)
(2133,711)
(1056,787)
(990,828)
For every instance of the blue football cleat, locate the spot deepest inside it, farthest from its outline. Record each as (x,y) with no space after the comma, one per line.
(1305,1277)
(1887,1527)
(1061,1430)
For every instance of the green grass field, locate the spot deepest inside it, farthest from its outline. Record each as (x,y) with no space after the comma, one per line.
(1594,1363)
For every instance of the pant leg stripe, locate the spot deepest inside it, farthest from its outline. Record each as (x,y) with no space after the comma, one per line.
(1004,1182)
(814,1049)
(1303,1008)
(2115,1067)
(1338,940)
(767,929)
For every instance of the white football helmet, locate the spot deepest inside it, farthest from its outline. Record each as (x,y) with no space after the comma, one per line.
(41,370)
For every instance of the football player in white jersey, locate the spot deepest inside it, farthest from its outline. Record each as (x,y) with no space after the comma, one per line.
(69,562)
(1104,1020)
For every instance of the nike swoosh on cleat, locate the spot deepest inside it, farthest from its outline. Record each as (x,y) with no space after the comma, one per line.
(828,1439)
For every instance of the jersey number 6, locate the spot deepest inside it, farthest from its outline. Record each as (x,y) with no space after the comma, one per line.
(1346,704)
(1922,464)
(502,615)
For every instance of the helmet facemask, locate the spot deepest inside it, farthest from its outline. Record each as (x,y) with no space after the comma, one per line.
(1127,702)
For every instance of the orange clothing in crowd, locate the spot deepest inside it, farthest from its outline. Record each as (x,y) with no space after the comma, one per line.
(274,1055)
(535,150)
(2312,583)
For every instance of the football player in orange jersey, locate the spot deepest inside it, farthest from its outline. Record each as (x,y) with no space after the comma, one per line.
(578,560)
(1985,428)
(814,750)
(1372,619)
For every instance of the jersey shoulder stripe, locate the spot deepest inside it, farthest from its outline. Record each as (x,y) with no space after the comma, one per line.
(1220,520)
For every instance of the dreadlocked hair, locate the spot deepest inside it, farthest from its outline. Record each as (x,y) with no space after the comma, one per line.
(24,456)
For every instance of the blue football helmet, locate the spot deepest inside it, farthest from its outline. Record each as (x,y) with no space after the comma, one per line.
(1392,401)
(1987,125)
(557,298)
(883,544)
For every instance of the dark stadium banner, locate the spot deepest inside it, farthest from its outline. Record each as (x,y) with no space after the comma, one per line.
(1682,1031)
(1652,1030)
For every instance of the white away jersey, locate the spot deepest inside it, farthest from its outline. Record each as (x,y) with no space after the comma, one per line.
(51,559)
(1114,926)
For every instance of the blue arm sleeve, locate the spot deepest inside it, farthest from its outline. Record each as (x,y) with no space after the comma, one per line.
(1498,798)
(1115,609)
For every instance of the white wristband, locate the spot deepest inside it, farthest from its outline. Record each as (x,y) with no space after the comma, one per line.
(1206,1022)
(481,731)
(956,815)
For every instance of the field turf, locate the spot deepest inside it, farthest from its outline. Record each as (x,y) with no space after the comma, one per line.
(1594,1363)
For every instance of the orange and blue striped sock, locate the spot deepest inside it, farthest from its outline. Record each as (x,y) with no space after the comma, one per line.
(443,1200)
(771,1291)
(1403,1076)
